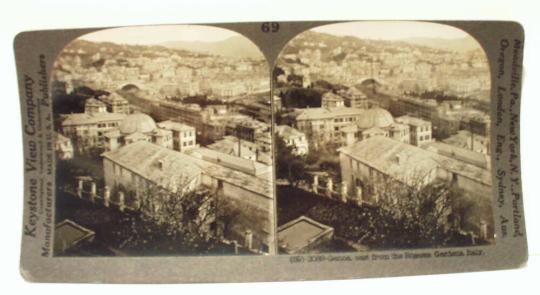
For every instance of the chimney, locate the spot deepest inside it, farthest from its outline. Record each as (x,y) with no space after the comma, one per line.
(398,159)
(160,164)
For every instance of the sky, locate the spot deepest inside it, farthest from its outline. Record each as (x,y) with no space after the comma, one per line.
(150,35)
(392,30)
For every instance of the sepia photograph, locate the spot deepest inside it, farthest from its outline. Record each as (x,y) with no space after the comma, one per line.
(382,139)
(306,146)
(163,144)
(270,151)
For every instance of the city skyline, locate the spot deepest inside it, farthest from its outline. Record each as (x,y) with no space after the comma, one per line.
(195,119)
(386,125)
(208,119)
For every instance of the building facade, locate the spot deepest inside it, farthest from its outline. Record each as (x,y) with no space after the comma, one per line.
(322,125)
(63,147)
(293,138)
(116,103)
(88,131)
(355,98)
(138,127)
(370,165)
(374,122)
(420,130)
(240,187)
(331,100)
(184,136)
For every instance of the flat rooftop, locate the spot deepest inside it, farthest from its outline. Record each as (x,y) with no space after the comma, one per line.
(68,234)
(301,233)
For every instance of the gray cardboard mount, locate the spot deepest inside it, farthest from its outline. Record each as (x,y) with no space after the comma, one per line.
(35,53)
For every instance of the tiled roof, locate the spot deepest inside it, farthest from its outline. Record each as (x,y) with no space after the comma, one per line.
(326,113)
(383,153)
(466,155)
(229,145)
(94,102)
(288,131)
(87,119)
(176,126)
(233,162)
(409,120)
(144,158)
(330,96)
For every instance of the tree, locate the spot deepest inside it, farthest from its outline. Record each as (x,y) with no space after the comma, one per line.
(289,165)
(327,86)
(414,214)
(166,219)
(277,72)
(185,215)
(297,97)
(295,80)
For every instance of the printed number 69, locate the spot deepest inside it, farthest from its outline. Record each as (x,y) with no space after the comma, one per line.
(270,27)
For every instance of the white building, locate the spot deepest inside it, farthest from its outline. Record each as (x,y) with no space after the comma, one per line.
(419,129)
(184,136)
(87,131)
(293,138)
(138,127)
(63,147)
(239,185)
(370,166)
(331,100)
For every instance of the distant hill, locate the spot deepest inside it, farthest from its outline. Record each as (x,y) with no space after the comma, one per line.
(236,46)
(460,45)
(370,45)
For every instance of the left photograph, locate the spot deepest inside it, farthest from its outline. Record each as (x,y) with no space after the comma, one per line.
(163,144)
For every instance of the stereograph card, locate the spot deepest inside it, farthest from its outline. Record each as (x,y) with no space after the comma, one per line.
(271,151)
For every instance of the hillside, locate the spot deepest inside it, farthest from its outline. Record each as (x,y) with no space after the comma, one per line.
(459,45)
(237,46)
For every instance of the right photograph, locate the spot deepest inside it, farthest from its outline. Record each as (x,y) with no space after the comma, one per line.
(382,139)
